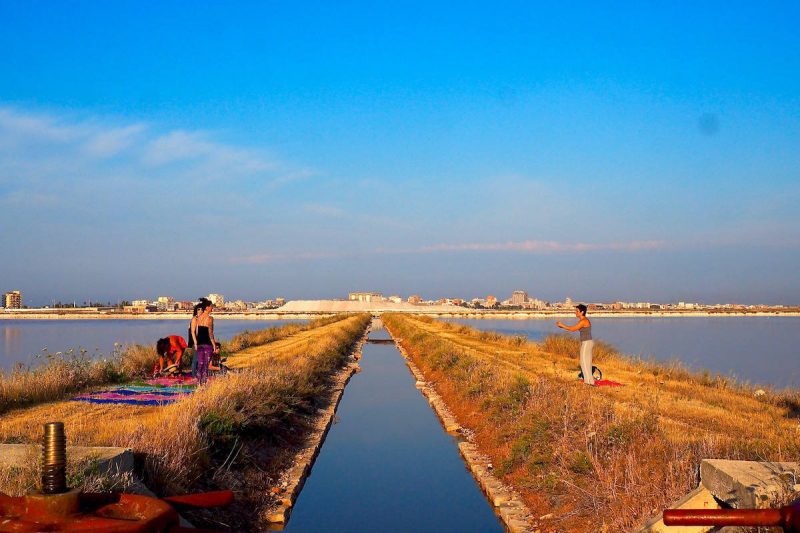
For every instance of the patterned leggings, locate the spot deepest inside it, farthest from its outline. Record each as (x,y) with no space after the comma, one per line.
(204,353)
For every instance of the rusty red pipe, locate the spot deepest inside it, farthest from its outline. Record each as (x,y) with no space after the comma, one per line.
(786,517)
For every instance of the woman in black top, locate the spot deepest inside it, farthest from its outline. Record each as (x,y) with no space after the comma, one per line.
(190,336)
(204,342)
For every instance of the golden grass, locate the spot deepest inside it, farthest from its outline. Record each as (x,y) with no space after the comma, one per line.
(59,376)
(198,442)
(248,338)
(63,374)
(598,459)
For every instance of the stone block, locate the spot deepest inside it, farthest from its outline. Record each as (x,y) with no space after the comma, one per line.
(699,498)
(107,459)
(749,484)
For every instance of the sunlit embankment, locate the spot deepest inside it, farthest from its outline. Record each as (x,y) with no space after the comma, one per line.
(590,458)
(237,432)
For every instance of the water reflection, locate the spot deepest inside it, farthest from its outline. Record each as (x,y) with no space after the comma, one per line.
(388,465)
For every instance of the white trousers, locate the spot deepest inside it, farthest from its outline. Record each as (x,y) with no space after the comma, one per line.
(586,361)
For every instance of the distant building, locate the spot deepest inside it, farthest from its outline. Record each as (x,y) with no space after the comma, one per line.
(519,298)
(365,297)
(12,300)
(238,305)
(491,301)
(184,306)
(165,303)
(280,301)
(568,302)
(537,304)
(134,309)
(217,300)
(415,299)
(396,299)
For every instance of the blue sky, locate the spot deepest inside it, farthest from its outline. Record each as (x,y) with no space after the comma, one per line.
(620,151)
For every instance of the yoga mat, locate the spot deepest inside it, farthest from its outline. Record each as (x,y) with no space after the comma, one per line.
(607,383)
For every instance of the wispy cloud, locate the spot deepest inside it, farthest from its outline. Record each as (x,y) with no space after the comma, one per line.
(67,157)
(196,147)
(531,247)
(542,247)
(259,259)
(110,142)
(325,210)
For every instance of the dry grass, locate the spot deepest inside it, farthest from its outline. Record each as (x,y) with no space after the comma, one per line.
(84,474)
(598,459)
(234,432)
(248,338)
(63,374)
(60,375)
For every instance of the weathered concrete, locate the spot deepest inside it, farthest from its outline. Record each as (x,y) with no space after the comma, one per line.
(738,484)
(106,460)
(102,460)
(508,505)
(749,484)
(699,498)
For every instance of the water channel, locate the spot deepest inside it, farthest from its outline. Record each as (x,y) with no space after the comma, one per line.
(387,464)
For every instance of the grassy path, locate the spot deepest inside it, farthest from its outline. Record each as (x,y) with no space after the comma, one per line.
(680,403)
(592,458)
(109,424)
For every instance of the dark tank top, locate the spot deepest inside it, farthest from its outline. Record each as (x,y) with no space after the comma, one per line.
(203,338)
(586,334)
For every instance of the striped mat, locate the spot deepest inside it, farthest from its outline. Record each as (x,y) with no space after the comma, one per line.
(137,395)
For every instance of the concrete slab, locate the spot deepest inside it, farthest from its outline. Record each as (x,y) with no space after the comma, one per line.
(699,498)
(106,459)
(749,484)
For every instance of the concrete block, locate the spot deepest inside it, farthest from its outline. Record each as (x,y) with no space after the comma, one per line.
(748,484)
(699,498)
(108,460)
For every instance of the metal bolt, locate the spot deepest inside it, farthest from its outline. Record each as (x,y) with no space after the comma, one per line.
(54,459)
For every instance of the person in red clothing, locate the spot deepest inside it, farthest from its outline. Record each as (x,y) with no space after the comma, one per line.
(170,349)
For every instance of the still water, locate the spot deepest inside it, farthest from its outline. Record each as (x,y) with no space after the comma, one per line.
(22,340)
(387,464)
(763,350)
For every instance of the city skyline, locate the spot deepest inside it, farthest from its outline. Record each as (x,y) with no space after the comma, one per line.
(519,298)
(632,153)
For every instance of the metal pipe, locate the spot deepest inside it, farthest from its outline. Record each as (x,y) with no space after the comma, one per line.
(54,459)
(786,517)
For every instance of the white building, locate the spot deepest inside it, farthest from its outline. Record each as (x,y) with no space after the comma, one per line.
(365,296)
(165,303)
(12,300)
(519,298)
(217,299)
(237,305)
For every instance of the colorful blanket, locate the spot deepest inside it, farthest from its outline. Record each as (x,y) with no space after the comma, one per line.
(148,394)
(172,381)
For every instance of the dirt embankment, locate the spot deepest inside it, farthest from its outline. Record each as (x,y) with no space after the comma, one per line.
(593,458)
(241,431)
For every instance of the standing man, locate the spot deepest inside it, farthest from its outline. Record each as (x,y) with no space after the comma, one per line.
(587,344)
